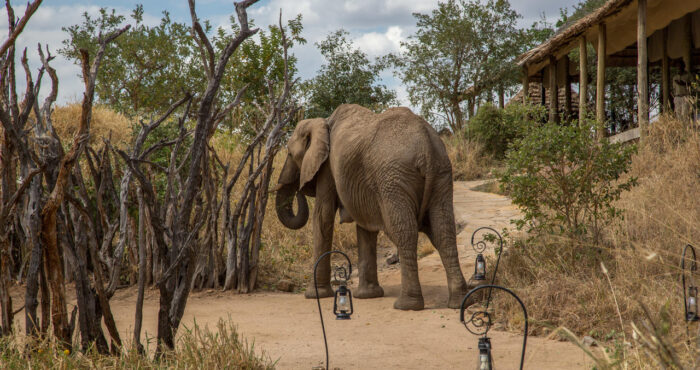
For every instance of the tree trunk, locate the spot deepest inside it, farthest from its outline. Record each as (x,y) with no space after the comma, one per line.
(138,316)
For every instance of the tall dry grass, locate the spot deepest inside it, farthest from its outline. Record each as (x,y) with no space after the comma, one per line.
(105,123)
(196,348)
(632,279)
(469,159)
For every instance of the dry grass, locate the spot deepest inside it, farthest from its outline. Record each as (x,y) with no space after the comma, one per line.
(105,122)
(197,348)
(564,283)
(469,160)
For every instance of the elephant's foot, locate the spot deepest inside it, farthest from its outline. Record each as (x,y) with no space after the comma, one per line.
(369,291)
(457,295)
(324,291)
(405,302)
(455,300)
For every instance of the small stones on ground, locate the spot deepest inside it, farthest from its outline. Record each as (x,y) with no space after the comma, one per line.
(285,285)
(394,259)
(589,341)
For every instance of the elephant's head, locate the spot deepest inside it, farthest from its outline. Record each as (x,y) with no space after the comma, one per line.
(308,148)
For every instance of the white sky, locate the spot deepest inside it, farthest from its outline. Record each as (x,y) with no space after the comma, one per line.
(376,26)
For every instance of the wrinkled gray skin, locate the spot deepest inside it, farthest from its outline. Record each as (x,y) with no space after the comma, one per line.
(387,172)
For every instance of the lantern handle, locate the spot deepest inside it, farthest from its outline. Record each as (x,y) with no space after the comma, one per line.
(693,268)
(318,300)
(522,305)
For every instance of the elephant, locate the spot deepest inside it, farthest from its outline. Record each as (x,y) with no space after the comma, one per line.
(386,172)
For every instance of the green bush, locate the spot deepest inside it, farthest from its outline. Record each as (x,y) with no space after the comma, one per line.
(566,182)
(498,128)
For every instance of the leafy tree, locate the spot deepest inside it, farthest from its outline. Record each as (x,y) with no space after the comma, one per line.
(565,181)
(498,128)
(461,44)
(347,77)
(146,69)
(149,68)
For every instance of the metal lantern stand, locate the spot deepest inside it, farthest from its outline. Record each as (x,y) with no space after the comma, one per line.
(343,296)
(482,323)
(690,295)
(492,236)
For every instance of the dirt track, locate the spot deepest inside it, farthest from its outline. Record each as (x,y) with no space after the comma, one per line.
(286,326)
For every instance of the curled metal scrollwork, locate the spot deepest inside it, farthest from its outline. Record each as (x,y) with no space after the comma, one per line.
(479,323)
(340,273)
(488,236)
(485,320)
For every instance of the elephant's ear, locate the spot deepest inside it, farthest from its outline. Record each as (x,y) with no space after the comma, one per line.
(317,152)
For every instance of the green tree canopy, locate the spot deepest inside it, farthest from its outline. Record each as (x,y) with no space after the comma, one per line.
(347,76)
(463,49)
(150,67)
(146,69)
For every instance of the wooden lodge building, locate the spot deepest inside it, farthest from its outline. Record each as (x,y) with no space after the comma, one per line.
(624,33)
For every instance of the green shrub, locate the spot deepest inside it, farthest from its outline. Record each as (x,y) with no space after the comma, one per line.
(498,128)
(564,181)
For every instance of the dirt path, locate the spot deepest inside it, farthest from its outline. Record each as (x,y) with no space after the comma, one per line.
(286,326)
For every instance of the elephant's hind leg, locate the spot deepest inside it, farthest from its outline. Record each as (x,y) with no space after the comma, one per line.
(402,228)
(444,238)
(369,284)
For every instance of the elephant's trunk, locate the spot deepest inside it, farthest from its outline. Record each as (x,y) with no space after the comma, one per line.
(287,189)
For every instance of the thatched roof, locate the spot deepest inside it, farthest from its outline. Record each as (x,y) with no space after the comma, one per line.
(572,32)
(620,18)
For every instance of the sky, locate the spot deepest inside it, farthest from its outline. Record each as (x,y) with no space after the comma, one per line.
(376,26)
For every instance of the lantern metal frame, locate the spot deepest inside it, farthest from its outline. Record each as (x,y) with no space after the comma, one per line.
(341,274)
(480,247)
(482,319)
(693,268)
(318,300)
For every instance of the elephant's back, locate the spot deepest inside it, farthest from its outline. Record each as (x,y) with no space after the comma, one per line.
(395,153)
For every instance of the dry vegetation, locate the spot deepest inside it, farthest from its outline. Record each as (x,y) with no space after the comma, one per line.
(105,123)
(601,290)
(197,348)
(469,159)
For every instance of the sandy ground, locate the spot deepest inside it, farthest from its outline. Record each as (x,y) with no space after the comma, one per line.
(286,326)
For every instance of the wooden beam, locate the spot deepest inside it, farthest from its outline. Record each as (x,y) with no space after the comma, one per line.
(583,78)
(567,88)
(665,74)
(526,86)
(600,86)
(543,101)
(642,68)
(553,91)
(687,43)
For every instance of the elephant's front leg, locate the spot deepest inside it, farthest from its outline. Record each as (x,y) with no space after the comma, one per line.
(369,284)
(323,220)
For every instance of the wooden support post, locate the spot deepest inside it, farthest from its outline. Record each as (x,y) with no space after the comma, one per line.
(543,92)
(567,89)
(687,43)
(600,86)
(642,69)
(526,86)
(583,78)
(553,90)
(665,74)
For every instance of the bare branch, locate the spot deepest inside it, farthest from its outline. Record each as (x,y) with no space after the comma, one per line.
(16,29)
(202,41)
(222,114)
